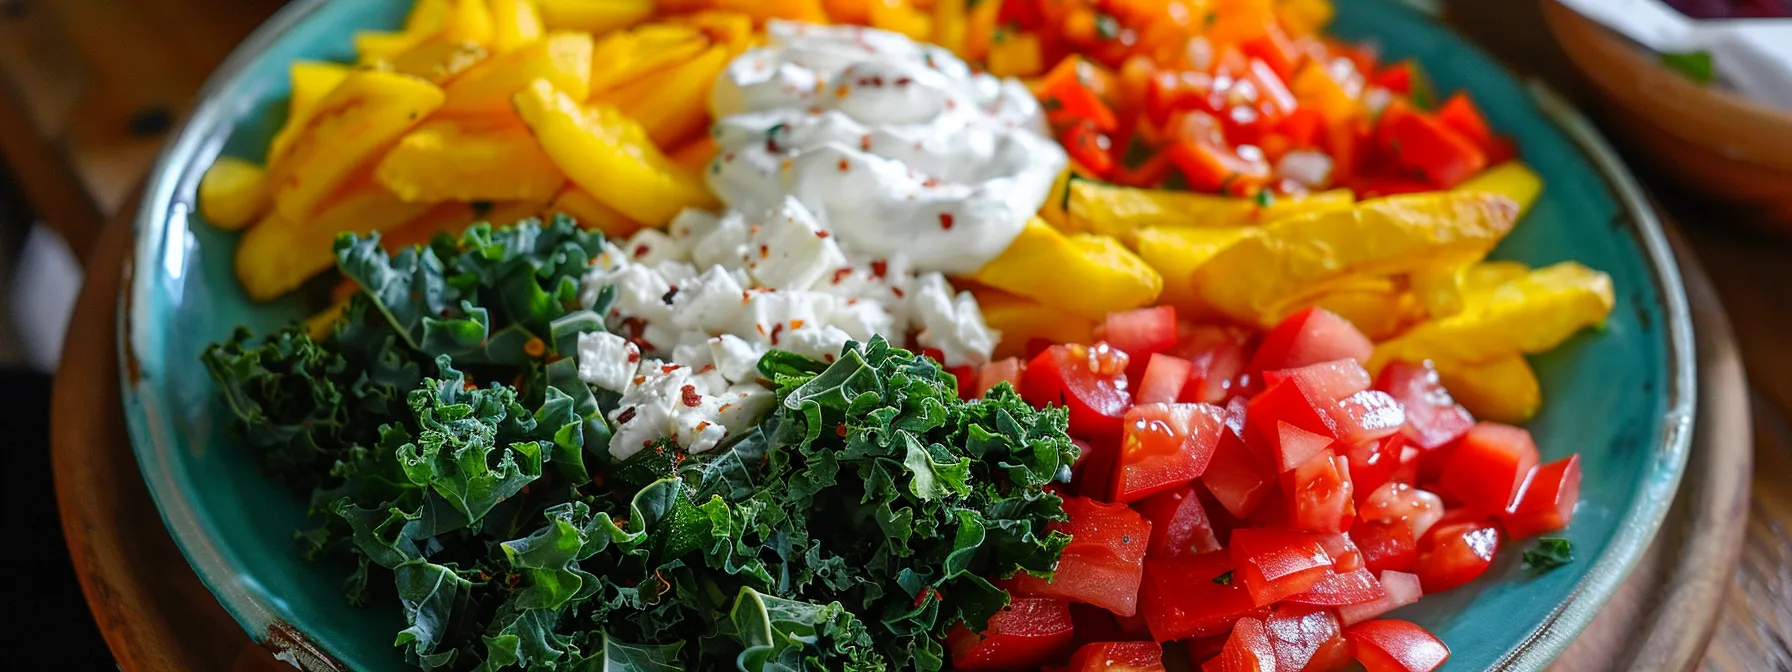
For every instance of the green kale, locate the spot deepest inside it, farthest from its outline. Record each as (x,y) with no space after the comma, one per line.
(1549,553)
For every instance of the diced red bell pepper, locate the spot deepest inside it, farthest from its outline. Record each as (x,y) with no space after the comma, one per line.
(1028,633)
(1118,657)
(1179,524)
(1550,494)
(1236,476)
(1210,168)
(1089,147)
(1089,380)
(1164,378)
(1249,649)
(1419,141)
(1311,336)
(1170,91)
(1165,446)
(1103,563)
(1066,97)
(1274,48)
(1460,114)
(1366,416)
(1332,380)
(1274,564)
(1193,596)
(1303,128)
(1396,646)
(1385,546)
(1318,494)
(1274,100)
(1488,468)
(1307,639)
(1395,77)
(1343,588)
(1433,418)
(1452,554)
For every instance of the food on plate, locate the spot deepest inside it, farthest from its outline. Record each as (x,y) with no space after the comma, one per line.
(994,335)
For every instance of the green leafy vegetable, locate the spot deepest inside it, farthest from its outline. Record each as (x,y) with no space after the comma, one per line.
(1549,553)
(1696,65)
(869,513)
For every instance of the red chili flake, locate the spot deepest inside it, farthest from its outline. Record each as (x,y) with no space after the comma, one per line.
(841,274)
(640,379)
(641,251)
(879,268)
(753,230)
(852,301)
(702,425)
(897,291)
(728,158)
(626,415)
(775,329)
(904,81)
(844,166)
(814,111)
(930,182)
(946,221)
(951,104)
(827,356)
(635,327)
(690,396)
(865,142)
(745,297)
(724,408)
(706,369)
(668,368)
(761,329)
(634,355)
(822,234)
(840,430)
(764,251)
(796,324)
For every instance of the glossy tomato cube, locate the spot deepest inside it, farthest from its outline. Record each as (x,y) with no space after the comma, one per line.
(1396,502)
(1029,633)
(996,373)
(1311,336)
(1487,469)
(1385,546)
(1370,415)
(1249,649)
(1396,646)
(1163,379)
(1332,380)
(1307,639)
(1550,495)
(1373,464)
(1398,590)
(1193,596)
(1104,562)
(1179,524)
(1090,381)
(1346,557)
(1287,403)
(1214,378)
(1318,494)
(1118,657)
(1455,553)
(1236,477)
(1433,418)
(1140,333)
(1342,588)
(1165,446)
(1274,564)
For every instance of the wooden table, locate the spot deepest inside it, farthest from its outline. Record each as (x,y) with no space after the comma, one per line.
(81,168)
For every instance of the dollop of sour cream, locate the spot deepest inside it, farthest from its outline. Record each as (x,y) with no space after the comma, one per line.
(895,146)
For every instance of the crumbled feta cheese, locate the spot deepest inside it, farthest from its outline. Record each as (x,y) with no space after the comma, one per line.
(737,360)
(744,404)
(789,250)
(954,326)
(607,360)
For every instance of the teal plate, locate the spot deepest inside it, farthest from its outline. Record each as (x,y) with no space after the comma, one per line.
(1622,397)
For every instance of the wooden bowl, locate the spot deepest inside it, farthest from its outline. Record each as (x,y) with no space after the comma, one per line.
(1715,142)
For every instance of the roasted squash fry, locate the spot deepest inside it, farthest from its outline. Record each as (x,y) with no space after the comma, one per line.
(594,16)
(438,61)
(515,24)
(1530,314)
(900,16)
(470,160)
(279,254)
(1021,320)
(673,106)
(592,214)
(1259,278)
(1097,207)
(610,156)
(1440,289)
(732,28)
(1176,251)
(1511,179)
(1084,274)
(695,155)
(562,58)
(361,117)
(311,81)
(624,58)
(1378,309)
(467,21)
(233,193)
(1502,389)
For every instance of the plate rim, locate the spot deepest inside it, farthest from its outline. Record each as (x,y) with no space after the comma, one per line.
(203,129)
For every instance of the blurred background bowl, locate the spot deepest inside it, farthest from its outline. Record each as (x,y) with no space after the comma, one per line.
(1712,141)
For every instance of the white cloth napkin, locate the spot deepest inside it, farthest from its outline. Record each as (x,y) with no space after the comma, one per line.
(1753,56)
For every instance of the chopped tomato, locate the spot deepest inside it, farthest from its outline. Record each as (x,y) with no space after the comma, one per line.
(1346,557)
(1396,77)
(1289,425)
(1095,624)
(1141,333)
(1433,418)
(1318,494)
(1067,96)
(1274,564)
(1104,562)
(1208,167)
(1215,373)
(1385,546)
(1118,657)
(1342,588)
(1419,141)
(1487,469)
(1094,469)
(1398,590)
(1302,128)
(1236,476)
(1311,336)
(1332,380)
(1179,524)
(1275,49)
(1307,639)
(1249,649)
(1395,502)
(1089,380)
(1366,416)
(1168,92)
(1274,99)
(1193,596)
(1452,554)
(1028,633)
(1396,646)
(1089,148)
(1373,464)
(1547,504)
(1163,380)
(996,373)
(1165,446)
(1460,114)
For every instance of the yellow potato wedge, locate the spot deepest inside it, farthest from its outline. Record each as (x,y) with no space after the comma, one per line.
(438,61)
(561,58)
(233,193)
(1511,179)
(279,254)
(470,160)
(594,16)
(626,58)
(610,156)
(1084,274)
(674,105)
(1257,279)
(467,21)
(311,81)
(1378,311)
(1502,389)
(1021,320)
(592,214)
(364,115)
(1441,289)
(1176,251)
(1530,314)
(1097,207)
(515,24)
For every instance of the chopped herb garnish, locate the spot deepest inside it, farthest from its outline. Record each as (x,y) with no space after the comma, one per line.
(1224,579)
(1549,553)
(1265,198)
(1210,19)
(1696,65)
(1106,26)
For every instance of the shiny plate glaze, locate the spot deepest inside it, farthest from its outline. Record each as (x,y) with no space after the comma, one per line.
(1623,397)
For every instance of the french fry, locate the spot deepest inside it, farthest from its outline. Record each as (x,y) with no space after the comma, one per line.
(592,214)
(673,106)
(233,193)
(486,159)
(515,24)
(594,16)
(311,81)
(1529,314)
(438,61)
(279,254)
(562,58)
(624,58)
(360,118)
(1084,274)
